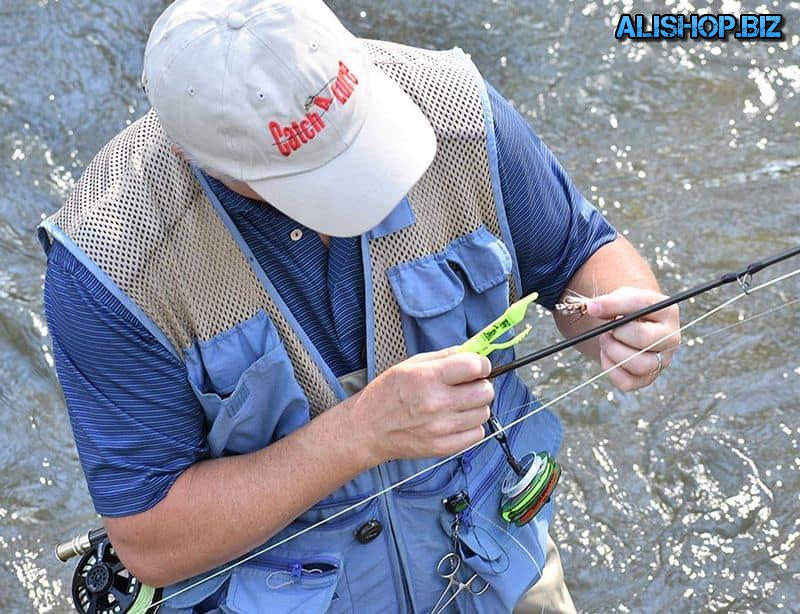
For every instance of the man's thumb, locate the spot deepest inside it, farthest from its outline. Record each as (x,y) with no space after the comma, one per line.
(597,307)
(621,301)
(609,306)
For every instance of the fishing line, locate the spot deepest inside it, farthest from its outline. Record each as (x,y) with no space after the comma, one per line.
(697,320)
(501,429)
(744,321)
(744,278)
(507,532)
(688,341)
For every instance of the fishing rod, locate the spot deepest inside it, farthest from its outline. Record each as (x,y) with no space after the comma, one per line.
(529,484)
(102,584)
(743,278)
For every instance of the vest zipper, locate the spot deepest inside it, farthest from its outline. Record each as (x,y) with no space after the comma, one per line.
(315,567)
(398,552)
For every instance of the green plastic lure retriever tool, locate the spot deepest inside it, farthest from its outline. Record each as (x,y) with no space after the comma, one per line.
(484,342)
(529,484)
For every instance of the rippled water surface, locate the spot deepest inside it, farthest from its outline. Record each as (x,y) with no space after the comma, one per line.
(681,497)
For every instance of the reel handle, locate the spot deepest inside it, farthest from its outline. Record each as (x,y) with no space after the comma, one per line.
(80,544)
(500,436)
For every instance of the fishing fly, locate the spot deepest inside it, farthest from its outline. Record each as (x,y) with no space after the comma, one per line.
(101,584)
(573,304)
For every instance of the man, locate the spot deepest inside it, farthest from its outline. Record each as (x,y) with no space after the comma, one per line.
(353,211)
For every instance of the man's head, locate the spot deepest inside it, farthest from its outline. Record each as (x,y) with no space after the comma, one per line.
(279,95)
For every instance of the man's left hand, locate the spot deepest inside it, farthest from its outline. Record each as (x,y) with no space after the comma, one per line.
(625,341)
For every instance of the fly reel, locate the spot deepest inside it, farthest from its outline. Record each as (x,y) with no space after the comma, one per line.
(100,583)
(527,492)
(527,485)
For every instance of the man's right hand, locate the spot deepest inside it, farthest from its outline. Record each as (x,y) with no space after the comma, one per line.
(432,404)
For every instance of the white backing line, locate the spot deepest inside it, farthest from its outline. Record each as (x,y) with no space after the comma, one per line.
(504,428)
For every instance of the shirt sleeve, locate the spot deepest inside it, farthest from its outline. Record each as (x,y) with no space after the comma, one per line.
(553,227)
(136,421)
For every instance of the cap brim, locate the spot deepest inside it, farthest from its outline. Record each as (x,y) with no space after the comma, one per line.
(358,189)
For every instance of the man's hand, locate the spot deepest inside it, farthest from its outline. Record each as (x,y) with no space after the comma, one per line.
(432,404)
(627,340)
(623,283)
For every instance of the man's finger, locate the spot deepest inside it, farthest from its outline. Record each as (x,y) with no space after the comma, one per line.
(622,301)
(438,354)
(462,367)
(467,420)
(642,365)
(471,394)
(457,442)
(621,378)
(642,333)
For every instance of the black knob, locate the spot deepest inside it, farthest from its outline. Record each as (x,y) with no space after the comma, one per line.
(368,531)
(99,578)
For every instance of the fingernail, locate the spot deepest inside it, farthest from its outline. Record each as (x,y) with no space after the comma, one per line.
(594,308)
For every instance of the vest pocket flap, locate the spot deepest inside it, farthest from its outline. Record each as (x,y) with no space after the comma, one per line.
(245,383)
(509,559)
(216,365)
(426,287)
(482,257)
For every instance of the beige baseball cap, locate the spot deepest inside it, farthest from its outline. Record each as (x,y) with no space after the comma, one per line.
(279,95)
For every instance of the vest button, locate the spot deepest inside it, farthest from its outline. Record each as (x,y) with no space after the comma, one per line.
(368,531)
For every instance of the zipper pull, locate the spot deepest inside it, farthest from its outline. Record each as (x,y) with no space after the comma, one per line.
(457,503)
(297,571)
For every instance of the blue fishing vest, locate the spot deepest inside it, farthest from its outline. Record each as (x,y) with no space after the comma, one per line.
(436,271)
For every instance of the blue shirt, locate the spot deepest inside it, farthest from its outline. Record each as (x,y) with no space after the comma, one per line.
(136,422)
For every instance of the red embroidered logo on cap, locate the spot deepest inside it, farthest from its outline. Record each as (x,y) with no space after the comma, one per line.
(292,137)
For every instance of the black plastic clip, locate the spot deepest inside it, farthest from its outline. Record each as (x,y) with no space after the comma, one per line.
(457,503)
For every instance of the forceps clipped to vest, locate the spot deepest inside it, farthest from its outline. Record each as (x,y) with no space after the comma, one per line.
(448,568)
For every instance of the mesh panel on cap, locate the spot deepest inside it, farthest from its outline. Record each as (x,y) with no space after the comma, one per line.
(454,197)
(141,216)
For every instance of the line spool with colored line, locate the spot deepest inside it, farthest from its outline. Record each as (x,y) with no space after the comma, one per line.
(524,496)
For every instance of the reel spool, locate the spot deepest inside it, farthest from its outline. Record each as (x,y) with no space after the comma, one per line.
(526,492)
(102,585)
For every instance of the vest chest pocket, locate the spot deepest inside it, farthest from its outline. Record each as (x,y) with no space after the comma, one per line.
(449,296)
(244,380)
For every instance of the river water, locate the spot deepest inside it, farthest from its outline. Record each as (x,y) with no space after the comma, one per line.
(680,497)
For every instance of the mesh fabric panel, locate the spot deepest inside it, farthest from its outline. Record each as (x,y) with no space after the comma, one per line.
(141,216)
(454,196)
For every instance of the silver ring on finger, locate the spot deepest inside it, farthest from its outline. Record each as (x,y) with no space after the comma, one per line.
(660,366)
